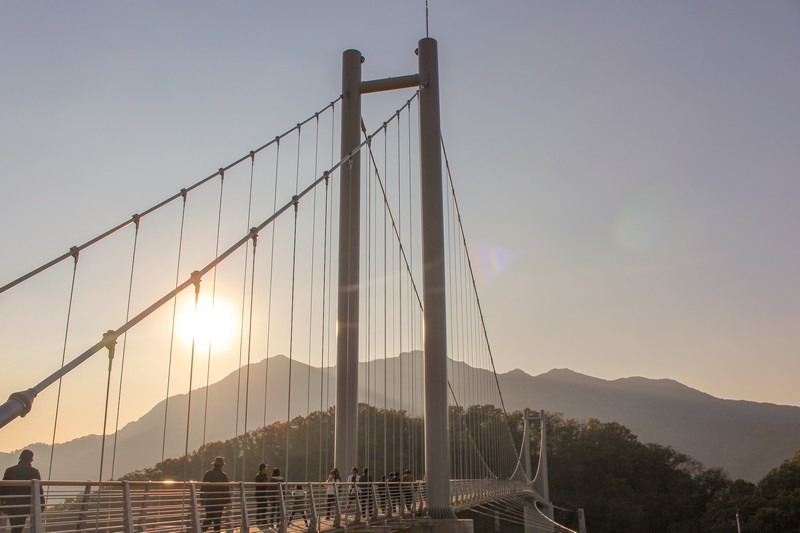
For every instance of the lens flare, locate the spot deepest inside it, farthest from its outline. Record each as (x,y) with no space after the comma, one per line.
(208,325)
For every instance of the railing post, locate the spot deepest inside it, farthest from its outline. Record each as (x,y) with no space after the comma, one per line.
(337,519)
(143,510)
(282,522)
(36,506)
(194,508)
(243,505)
(346,446)
(314,519)
(81,522)
(357,514)
(127,508)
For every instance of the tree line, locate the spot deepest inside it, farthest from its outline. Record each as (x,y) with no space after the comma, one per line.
(622,484)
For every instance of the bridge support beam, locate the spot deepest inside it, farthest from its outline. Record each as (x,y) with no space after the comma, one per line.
(437,450)
(346,445)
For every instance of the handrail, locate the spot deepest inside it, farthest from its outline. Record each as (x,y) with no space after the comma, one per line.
(130,506)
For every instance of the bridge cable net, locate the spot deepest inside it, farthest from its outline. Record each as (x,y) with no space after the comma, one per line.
(73,251)
(220,260)
(390,412)
(474,446)
(394,320)
(481,438)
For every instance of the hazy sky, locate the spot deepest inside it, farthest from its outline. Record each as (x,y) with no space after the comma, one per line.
(627,171)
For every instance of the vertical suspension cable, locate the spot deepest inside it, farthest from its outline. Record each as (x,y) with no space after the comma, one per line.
(450,336)
(413,427)
(311,295)
(323,366)
(329,224)
(269,294)
(75,253)
(136,221)
(110,342)
(291,312)
(324,354)
(254,234)
(172,328)
(396,312)
(196,281)
(214,298)
(239,444)
(385,313)
(366,296)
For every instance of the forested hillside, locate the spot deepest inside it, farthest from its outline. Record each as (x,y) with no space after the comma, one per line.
(622,484)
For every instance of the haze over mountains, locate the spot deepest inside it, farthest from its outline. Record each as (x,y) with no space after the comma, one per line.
(746,438)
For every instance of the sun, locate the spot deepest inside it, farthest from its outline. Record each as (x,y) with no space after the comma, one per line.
(210,325)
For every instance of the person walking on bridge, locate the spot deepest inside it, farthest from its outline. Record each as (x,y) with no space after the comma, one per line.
(215,495)
(17,500)
(262,498)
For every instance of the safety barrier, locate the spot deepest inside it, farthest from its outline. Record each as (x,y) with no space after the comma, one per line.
(148,506)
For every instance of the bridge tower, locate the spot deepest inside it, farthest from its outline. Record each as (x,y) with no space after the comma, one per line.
(437,454)
(346,442)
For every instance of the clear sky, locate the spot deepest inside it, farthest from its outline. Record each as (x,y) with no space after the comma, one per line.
(628,172)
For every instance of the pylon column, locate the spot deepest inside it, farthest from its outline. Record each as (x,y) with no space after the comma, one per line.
(346,446)
(437,450)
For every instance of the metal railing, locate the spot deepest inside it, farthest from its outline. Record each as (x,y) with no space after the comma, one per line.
(140,506)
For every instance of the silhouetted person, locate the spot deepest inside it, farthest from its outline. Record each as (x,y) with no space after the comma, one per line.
(330,491)
(261,494)
(365,491)
(298,504)
(408,489)
(215,497)
(394,491)
(275,511)
(18,499)
(352,489)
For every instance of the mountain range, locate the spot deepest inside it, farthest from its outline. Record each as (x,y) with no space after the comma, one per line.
(745,438)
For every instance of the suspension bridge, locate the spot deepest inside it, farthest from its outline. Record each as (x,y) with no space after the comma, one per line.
(336,289)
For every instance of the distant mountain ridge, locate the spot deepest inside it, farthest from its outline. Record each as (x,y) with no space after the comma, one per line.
(745,438)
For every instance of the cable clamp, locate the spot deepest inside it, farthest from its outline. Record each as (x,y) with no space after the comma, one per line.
(25,398)
(254,235)
(295,202)
(327,176)
(136,218)
(74,251)
(195,277)
(110,342)
(184,192)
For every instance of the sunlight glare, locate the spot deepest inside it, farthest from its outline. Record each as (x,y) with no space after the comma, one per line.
(210,326)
